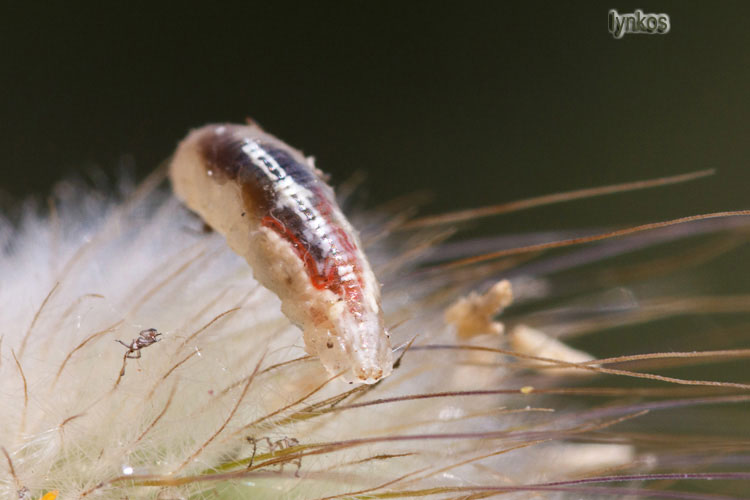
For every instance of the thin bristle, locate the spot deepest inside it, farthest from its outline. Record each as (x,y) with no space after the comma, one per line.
(549,199)
(541,247)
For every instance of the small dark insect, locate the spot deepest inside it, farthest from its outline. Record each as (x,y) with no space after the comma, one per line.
(144,339)
(281,444)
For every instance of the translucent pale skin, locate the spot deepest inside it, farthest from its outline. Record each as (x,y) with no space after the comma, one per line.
(276,211)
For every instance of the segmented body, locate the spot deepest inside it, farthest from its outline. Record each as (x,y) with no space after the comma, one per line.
(276,210)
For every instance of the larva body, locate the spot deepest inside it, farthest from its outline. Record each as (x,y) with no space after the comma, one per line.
(276,211)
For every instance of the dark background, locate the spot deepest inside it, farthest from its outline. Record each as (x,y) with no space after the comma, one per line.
(478,102)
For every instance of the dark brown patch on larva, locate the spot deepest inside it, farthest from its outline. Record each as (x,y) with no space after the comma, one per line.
(224,160)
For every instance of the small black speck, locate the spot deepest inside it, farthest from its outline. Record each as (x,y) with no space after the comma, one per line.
(243,214)
(329,344)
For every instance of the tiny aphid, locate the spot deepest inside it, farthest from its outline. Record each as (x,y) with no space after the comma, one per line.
(276,210)
(281,444)
(145,338)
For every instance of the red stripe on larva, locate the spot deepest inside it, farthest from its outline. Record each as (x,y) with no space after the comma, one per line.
(327,277)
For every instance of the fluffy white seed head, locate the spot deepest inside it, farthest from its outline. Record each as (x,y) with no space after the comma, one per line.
(228,397)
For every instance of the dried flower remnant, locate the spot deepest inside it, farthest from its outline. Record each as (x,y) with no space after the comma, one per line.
(529,341)
(473,315)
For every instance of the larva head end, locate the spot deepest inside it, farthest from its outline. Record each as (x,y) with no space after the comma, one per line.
(357,358)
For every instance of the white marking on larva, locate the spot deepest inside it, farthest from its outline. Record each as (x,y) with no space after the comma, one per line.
(292,195)
(286,224)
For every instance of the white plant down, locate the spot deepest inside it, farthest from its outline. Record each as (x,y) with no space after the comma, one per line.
(226,403)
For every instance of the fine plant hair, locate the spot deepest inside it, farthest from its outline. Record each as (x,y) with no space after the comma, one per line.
(221,401)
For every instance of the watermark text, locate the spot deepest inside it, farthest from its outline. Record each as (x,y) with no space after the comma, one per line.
(637,23)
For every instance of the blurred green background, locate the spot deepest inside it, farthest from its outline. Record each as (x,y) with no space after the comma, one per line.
(478,102)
